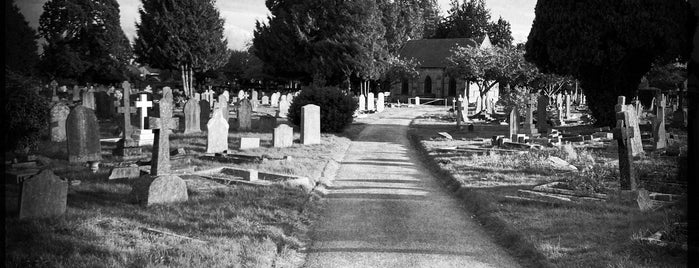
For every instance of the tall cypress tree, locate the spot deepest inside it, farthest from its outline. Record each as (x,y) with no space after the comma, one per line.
(20,41)
(184,35)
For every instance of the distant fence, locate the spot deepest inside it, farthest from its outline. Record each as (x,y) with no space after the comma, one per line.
(420,101)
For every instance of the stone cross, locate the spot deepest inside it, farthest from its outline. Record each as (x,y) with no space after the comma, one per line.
(54,85)
(529,127)
(636,145)
(160,164)
(624,134)
(127,110)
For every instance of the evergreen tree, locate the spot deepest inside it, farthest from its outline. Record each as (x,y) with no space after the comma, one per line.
(84,40)
(500,33)
(468,19)
(184,35)
(20,42)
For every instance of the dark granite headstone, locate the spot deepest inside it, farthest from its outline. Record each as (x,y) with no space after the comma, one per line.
(43,195)
(204,113)
(103,105)
(82,133)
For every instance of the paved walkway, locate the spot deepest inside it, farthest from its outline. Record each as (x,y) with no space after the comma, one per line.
(386,210)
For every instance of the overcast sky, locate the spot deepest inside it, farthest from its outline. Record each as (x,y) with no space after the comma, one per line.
(240,16)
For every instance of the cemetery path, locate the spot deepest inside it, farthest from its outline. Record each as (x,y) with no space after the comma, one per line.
(386,210)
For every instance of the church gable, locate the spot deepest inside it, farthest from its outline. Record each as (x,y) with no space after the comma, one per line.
(433,53)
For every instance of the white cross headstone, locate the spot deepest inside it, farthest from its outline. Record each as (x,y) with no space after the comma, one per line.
(143,135)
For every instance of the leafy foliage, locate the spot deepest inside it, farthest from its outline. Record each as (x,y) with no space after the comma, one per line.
(26,112)
(336,107)
(20,41)
(471,19)
(500,33)
(84,40)
(608,45)
(399,69)
(667,76)
(407,20)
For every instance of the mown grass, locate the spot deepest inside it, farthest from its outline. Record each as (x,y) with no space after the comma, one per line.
(241,226)
(555,234)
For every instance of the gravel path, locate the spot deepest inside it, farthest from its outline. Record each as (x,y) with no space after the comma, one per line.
(386,210)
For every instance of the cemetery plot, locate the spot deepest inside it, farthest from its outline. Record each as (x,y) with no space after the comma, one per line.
(564,198)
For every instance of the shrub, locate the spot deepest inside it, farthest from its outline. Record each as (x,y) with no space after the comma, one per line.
(26,114)
(336,107)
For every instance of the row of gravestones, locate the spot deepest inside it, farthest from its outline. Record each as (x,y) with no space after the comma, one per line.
(368,103)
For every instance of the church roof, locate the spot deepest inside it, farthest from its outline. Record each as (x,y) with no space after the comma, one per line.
(433,52)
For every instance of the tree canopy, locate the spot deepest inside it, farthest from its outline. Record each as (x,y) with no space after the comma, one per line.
(471,19)
(185,35)
(20,41)
(608,45)
(84,40)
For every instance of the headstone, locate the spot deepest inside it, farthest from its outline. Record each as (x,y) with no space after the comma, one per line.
(362,102)
(89,99)
(224,107)
(104,106)
(659,133)
(127,148)
(217,136)
(82,134)
(283,107)
(59,114)
(275,99)
(289,98)
(267,123)
(160,164)
(370,101)
(163,189)
(76,93)
(567,107)
(380,102)
(192,116)
(248,143)
(254,96)
(143,135)
(529,128)
(417,100)
(54,86)
(204,114)
(43,195)
(265,100)
(208,95)
(636,146)
(541,115)
(514,122)
(310,124)
(283,136)
(225,97)
(241,94)
(624,133)
(244,115)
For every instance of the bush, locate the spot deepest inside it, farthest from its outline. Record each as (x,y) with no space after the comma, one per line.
(26,114)
(336,107)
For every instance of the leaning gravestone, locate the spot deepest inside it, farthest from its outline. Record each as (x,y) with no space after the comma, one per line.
(283,136)
(244,115)
(624,134)
(204,113)
(89,98)
(310,124)
(192,117)
(636,146)
(160,164)
(43,195)
(82,133)
(217,136)
(59,114)
(370,101)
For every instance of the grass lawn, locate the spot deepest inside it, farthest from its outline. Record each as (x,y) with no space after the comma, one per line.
(557,234)
(229,226)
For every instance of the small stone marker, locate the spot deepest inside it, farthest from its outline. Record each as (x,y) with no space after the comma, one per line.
(59,114)
(542,103)
(514,123)
(217,136)
(244,115)
(82,134)
(310,124)
(160,164)
(362,102)
(125,173)
(417,100)
(624,134)
(248,143)
(659,133)
(254,96)
(43,195)
(143,135)
(162,189)
(204,114)
(380,102)
(192,116)
(283,136)
(265,100)
(370,101)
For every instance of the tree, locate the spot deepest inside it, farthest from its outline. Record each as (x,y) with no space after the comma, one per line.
(20,41)
(242,67)
(468,19)
(500,33)
(667,76)
(322,41)
(608,45)
(84,40)
(399,69)
(184,35)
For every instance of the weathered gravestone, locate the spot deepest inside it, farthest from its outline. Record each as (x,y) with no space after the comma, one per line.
(59,114)
(529,128)
(162,189)
(204,114)
(54,86)
(224,107)
(659,133)
(624,134)
(310,124)
(265,100)
(514,123)
(370,101)
(82,134)
(43,195)
(192,117)
(380,102)
(267,123)
(275,99)
(459,113)
(541,116)
(636,145)
(244,115)
(225,96)
(127,148)
(283,107)
(89,98)
(283,136)
(362,102)
(160,164)
(241,94)
(104,105)
(567,106)
(76,93)
(248,143)
(217,136)
(143,135)
(254,96)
